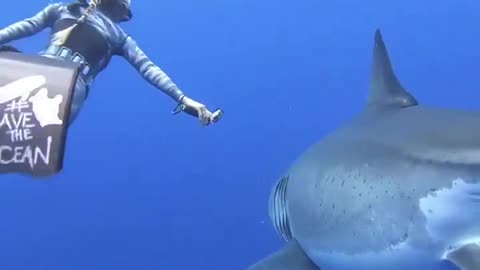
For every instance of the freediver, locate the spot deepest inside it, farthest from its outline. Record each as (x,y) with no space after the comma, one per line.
(89,33)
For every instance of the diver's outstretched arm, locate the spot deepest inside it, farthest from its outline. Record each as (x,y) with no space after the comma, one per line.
(30,26)
(154,75)
(149,71)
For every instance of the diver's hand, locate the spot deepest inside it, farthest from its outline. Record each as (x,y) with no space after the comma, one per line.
(204,115)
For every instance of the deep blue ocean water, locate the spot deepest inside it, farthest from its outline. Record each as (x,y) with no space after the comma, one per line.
(143,189)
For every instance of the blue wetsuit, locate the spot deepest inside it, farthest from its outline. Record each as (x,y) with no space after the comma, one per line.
(92,43)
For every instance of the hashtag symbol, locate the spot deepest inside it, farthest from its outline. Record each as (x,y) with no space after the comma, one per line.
(16,106)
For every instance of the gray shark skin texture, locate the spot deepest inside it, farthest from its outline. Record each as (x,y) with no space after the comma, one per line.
(396,188)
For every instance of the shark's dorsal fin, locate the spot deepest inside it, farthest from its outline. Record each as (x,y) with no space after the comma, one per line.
(385,89)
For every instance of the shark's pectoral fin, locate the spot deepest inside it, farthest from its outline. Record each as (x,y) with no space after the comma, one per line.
(291,257)
(466,257)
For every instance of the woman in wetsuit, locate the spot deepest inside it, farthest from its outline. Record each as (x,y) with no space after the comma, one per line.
(93,43)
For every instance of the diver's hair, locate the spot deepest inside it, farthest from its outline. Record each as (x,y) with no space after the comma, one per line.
(60,37)
(104,5)
(91,7)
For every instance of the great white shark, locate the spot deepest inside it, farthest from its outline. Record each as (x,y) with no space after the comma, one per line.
(395,188)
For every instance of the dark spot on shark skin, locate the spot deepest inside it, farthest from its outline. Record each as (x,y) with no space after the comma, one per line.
(360,194)
(430,211)
(411,218)
(343,183)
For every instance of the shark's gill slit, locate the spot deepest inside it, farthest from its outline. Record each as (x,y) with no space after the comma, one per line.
(278,209)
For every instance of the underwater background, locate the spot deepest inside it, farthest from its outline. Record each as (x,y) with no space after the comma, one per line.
(144,189)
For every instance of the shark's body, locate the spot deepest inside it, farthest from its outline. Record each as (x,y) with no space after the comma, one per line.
(396,188)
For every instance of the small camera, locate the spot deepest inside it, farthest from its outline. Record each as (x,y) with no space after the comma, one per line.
(217,114)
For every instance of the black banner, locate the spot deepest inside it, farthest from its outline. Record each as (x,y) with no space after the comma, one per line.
(35,98)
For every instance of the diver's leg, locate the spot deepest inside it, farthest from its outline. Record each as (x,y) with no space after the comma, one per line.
(78,98)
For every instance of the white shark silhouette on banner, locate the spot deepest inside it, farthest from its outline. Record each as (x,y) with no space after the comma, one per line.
(45,109)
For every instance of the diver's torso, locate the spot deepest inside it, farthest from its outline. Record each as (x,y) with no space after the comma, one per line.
(97,39)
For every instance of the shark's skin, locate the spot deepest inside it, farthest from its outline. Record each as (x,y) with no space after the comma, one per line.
(396,188)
